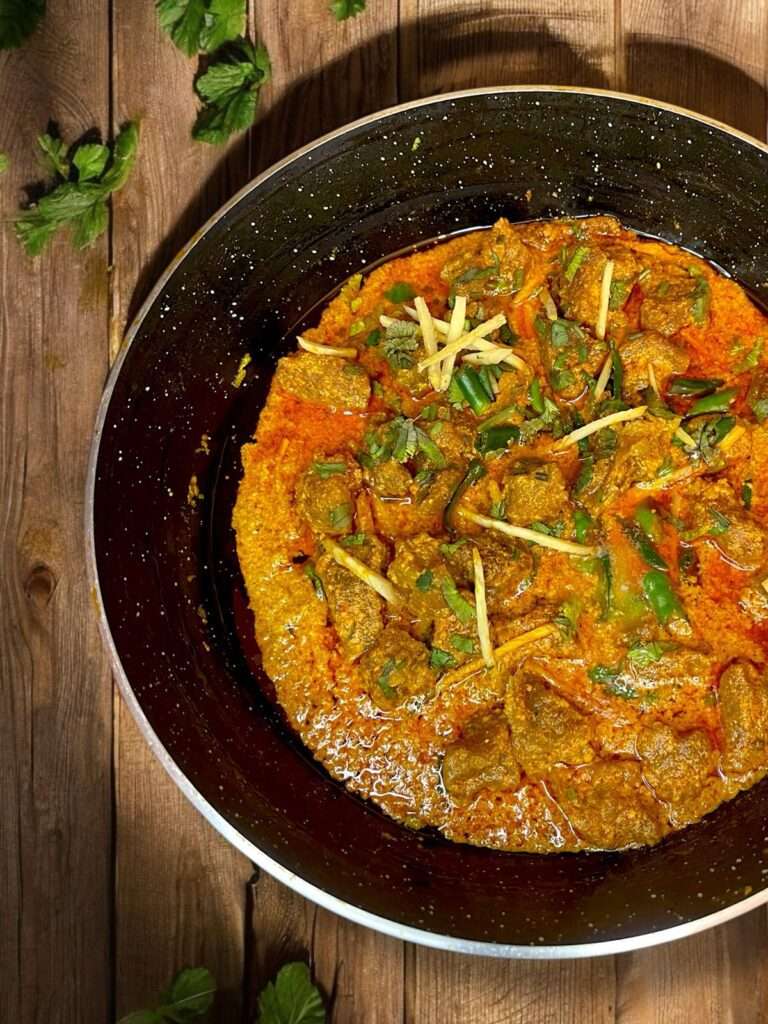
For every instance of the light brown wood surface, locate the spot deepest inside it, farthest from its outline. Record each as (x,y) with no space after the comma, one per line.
(109,881)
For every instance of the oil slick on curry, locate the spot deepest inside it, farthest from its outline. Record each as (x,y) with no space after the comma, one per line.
(503,532)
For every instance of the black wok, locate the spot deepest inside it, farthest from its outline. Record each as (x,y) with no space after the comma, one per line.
(172,606)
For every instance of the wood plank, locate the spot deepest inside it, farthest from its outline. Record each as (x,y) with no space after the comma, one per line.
(709,56)
(55,696)
(716,976)
(180,888)
(359,971)
(324,73)
(456,989)
(447,46)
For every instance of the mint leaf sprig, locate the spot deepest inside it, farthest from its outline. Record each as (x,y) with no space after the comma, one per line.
(230,90)
(201,26)
(189,996)
(82,186)
(343,9)
(291,998)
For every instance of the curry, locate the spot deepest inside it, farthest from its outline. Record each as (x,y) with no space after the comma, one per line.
(503,531)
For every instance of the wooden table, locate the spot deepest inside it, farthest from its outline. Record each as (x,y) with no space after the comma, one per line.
(109,880)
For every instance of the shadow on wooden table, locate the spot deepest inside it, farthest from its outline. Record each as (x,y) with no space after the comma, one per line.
(440,53)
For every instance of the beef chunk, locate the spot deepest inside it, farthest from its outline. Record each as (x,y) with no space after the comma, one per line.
(417,570)
(535,491)
(649,347)
(325,380)
(579,291)
(508,567)
(744,717)
(481,758)
(711,511)
(669,293)
(496,266)
(677,767)
(607,803)
(402,510)
(546,729)
(327,500)
(396,668)
(355,609)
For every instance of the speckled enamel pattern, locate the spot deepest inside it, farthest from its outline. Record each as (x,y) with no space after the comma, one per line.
(166,472)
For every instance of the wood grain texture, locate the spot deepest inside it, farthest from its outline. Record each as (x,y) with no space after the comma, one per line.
(455,989)
(180,888)
(180,893)
(324,73)
(461,45)
(360,972)
(709,56)
(55,696)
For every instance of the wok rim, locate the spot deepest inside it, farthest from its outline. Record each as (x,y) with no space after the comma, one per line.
(262,860)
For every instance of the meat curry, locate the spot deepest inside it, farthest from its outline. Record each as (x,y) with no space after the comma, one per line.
(503,531)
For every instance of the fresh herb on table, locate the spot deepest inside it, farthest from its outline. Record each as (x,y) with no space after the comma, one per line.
(201,25)
(189,996)
(230,91)
(291,998)
(18,19)
(78,199)
(343,9)
(4,163)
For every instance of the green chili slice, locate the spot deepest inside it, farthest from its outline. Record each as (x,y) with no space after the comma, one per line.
(475,471)
(660,595)
(718,402)
(692,386)
(472,389)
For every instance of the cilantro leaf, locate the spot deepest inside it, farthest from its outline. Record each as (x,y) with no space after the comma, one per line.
(80,204)
(291,998)
(230,92)
(90,160)
(343,9)
(184,21)
(18,19)
(4,163)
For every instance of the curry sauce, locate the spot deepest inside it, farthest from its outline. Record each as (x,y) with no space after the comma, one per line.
(503,531)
